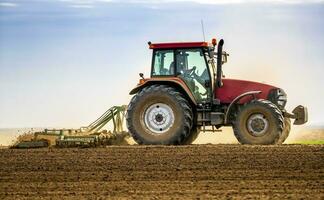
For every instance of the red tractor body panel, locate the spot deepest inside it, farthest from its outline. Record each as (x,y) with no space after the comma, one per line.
(232,88)
(179,45)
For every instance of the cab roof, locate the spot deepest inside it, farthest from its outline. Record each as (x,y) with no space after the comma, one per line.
(178,45)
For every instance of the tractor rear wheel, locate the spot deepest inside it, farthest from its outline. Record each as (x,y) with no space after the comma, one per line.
(286,131)
(159,114)
(259,122)
(192,136)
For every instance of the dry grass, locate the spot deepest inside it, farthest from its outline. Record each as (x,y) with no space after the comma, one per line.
(306,134)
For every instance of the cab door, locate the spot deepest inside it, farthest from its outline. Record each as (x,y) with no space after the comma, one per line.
(192,68)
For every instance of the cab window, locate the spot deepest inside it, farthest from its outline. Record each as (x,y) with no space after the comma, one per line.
(163,63)
(192,68)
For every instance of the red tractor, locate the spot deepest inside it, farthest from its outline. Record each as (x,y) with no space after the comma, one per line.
(187,92)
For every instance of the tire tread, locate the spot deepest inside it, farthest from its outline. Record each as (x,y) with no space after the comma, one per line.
(187,112)
(275,111)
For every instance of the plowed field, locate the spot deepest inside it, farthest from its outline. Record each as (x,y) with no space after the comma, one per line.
(196,171)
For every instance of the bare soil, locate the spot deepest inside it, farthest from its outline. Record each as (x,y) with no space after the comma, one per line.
(164,172)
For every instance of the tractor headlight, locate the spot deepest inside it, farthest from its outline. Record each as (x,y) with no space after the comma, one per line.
(278,97)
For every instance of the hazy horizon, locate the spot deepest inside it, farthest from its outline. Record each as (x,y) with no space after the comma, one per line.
(64,62)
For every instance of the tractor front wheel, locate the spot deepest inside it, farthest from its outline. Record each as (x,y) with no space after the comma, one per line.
(259,122)
(286,131)
(159,114)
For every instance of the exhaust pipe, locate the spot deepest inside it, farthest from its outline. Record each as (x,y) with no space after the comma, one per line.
(219,63)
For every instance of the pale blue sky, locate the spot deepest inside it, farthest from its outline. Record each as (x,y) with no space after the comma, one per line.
(64,62)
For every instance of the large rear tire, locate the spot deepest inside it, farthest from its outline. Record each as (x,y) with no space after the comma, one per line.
(286,131)
(159,114)
(259,122)
(192,136)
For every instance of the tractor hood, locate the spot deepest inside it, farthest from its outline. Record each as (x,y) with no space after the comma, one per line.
(232,88)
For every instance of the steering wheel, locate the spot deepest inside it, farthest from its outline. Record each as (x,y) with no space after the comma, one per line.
(190,72)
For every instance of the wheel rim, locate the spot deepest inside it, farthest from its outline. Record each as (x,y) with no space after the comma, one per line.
(159,118)
(257,125)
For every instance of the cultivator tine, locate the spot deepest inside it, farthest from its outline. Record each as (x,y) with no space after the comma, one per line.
(89,136)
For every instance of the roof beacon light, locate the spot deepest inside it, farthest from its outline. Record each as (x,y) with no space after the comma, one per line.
(214,42)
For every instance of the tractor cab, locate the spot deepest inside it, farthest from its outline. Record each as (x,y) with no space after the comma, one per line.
(192,62)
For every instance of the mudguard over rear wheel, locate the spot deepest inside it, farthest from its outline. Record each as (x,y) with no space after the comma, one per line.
(259,122)
(159,114)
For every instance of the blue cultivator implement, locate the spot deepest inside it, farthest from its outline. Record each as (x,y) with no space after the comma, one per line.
(88,136)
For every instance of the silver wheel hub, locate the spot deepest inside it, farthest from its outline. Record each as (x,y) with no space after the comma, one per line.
(159,118)
(257,124)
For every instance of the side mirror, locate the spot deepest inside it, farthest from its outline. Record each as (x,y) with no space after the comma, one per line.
(141,75)
(224,57)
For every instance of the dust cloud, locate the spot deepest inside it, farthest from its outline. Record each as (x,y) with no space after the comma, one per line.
(225,135)
(299,134)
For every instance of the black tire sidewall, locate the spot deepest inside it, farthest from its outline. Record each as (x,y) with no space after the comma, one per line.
(192,136)
(286,130)
(272,134)
(139,130)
